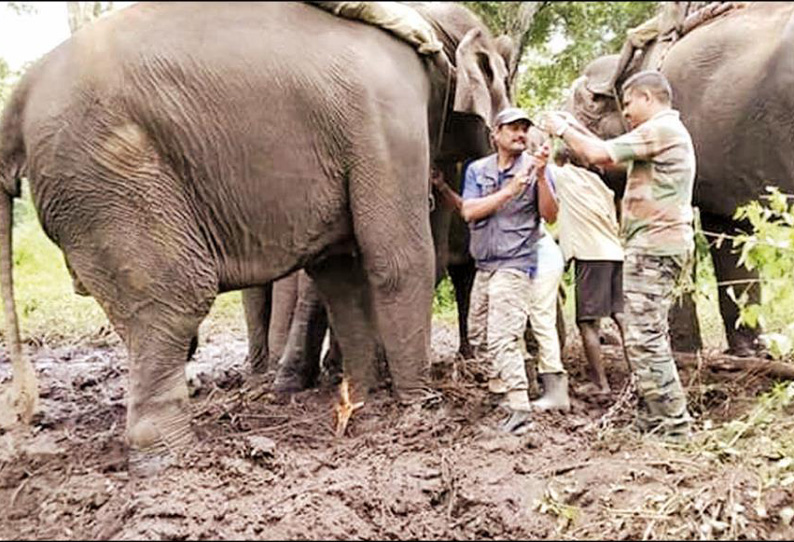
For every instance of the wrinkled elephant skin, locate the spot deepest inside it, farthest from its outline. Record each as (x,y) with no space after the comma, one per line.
(176,151)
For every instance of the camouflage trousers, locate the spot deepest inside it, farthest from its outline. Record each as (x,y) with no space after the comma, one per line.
(648,290)
(501,302)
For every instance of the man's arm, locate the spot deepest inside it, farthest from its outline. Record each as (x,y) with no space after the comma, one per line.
(449,198)
(474,209)
(547,200)
(589,147)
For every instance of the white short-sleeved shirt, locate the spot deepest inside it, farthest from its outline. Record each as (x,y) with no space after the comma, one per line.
(587,218)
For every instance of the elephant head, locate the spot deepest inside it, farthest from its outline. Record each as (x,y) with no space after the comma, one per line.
(476,78)
(482,77)
(597,111)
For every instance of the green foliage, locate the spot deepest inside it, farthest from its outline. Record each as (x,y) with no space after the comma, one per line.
(444,304)
(769,249)
(761,439)
(497,16)
(583,31)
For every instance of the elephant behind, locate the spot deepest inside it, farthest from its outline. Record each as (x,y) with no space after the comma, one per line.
(175,151)
(731,83)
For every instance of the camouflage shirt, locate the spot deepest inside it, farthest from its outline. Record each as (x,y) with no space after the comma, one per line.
(657,204)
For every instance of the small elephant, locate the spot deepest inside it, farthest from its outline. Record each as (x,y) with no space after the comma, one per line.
(730,80)
(176,151)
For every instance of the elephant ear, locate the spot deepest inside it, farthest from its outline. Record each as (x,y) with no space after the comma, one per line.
(507,49)
(481,73)
(599,72)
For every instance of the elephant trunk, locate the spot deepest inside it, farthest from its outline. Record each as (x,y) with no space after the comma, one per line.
(24,384)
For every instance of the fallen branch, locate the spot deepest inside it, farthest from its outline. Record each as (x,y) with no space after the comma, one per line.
(775,369)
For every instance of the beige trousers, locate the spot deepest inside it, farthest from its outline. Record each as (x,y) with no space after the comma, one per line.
(501,302)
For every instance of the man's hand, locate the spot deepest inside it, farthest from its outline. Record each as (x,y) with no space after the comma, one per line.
(517,184)
(553,122)
(436,178)
(541,156)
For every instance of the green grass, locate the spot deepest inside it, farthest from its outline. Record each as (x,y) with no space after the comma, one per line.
(47,306)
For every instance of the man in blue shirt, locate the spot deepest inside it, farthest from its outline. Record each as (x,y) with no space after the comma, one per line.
(505,195)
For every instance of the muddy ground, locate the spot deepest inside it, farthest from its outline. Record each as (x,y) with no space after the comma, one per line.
(262,469)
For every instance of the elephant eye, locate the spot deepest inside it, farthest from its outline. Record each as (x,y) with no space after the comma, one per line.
(485,66)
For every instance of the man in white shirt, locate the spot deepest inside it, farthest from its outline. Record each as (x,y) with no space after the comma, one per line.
(589,235)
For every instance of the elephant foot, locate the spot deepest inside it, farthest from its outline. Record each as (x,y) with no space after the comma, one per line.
(155,443)
(147,463)
(289,383)
(746,346)
(259,362)
(748,351)
(466,351)
(424,397)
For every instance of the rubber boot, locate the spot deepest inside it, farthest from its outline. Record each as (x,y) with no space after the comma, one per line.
(555,392)
(519,412)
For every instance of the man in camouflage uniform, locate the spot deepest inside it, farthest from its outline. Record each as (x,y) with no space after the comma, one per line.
(658,236)
(505,195)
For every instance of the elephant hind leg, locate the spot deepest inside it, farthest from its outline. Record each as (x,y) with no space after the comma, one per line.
(390,210)
(156,296)
(159,327)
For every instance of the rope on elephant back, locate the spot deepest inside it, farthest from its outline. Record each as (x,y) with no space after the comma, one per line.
(708,13)
(698,18)
(401,20)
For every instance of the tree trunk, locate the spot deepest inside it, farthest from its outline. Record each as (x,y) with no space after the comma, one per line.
(519,30)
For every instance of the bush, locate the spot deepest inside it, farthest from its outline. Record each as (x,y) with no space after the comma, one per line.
(769,249)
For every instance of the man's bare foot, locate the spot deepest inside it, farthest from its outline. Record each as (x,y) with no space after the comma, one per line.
(591,388)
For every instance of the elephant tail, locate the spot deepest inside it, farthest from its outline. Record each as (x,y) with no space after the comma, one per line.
(24,395)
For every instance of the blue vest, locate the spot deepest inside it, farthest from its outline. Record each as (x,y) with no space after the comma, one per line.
(508,238)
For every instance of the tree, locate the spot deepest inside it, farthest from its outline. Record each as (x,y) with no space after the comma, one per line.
(556,40)
(21,7)
(82,13)
(581,32)
(513,19)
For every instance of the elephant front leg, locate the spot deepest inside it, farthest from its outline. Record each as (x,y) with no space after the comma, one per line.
(343,286)
(285,299)
(462,277)
(742,340)
(299,365)
(684,325)
(257,303)
(402,291)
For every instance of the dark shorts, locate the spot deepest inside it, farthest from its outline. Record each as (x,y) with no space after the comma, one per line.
(599,289)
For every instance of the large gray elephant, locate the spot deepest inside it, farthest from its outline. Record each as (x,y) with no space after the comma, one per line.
(175,151)
(731,82)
